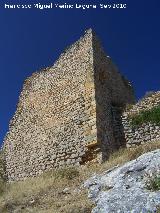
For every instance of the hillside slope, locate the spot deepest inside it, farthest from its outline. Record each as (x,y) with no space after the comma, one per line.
(61,191)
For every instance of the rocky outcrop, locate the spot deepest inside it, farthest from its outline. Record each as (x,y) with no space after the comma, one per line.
(124,189)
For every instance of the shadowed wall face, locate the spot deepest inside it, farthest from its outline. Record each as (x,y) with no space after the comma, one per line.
(113,92)
(64,112)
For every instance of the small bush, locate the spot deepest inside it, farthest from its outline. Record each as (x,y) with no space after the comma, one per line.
(154,183)
(152,115)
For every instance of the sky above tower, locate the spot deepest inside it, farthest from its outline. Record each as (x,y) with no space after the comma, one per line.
(33,38)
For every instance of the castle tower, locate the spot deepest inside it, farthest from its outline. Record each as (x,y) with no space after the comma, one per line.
(66,113)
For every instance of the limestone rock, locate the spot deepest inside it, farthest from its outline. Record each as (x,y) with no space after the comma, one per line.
(123,189)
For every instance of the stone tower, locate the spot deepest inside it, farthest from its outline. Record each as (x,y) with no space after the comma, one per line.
(69,113)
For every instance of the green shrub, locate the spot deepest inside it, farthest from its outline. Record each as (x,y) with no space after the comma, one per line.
(152,115)
(154,183)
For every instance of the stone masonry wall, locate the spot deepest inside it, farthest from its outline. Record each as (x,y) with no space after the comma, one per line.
(111,89)
(64,112)
(147,132)
(48,128)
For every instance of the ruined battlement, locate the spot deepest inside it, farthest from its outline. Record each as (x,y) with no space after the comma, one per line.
(68,114)
(147,131)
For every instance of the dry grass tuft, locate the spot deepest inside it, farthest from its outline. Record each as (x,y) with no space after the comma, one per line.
(59,191)
(158,210)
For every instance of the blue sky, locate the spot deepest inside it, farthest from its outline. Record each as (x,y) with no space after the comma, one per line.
(33,39)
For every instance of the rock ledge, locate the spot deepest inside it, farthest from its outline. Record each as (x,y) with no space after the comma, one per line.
(123,189)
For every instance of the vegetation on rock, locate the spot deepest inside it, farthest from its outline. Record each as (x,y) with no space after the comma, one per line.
(154,183)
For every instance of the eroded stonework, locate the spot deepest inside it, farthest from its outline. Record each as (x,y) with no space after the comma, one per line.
(64,115)
(147,132)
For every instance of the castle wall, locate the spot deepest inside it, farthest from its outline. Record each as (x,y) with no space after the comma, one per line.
(64,116)
(55,117)
(147,132)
